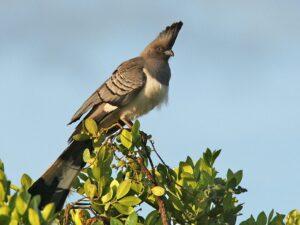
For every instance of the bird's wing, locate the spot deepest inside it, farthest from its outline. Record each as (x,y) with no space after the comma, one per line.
(124,84)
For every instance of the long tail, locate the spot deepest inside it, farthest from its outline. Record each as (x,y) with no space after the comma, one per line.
(54,185)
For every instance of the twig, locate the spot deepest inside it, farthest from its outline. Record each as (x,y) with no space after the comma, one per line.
(161,204)
(160,158)
(66,214)
(144,146)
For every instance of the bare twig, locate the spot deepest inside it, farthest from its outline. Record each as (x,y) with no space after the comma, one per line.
(160,158)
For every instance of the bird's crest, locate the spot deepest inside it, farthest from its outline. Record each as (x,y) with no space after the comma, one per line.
(167,37)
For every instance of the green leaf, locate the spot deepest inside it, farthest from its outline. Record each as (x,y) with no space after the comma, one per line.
(270,217)
(132,219)
(106,206)
(76,183)
(90,189)
(2,176)
(186,168)
(48,211)
(126,138)
(228,202)
(176,202)
(33,217)
(26,181)
(123,209)
(153,218)
(1,165)
(4,210)
(158,191)
(91,126)
(230,174)
(114,184)
(123,189)
(115,221)
(81,137)
(238,176)
(106,198)
(207,156)
(35,202)
(2,192)
(261,219)
(83,176)
(22,202)
(137,187)
(14,222)
(96,171)
(130,201)
(135,130)
(215,155)
(75,214)
(86,155)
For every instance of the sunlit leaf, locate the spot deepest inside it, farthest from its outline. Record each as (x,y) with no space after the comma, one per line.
(107,197)
(48,211)
(91,126)
(26,181)
(90,189)
(33,217)
(81,137)
(158,191)
(261,219)
(22,202)
(4,210)
(2,192)
(126,138)
(123,189)
(130,201)
(123,209)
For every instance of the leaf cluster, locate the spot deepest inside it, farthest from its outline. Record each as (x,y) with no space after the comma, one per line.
(123,174)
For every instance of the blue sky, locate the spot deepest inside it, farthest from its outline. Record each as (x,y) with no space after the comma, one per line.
(235,83)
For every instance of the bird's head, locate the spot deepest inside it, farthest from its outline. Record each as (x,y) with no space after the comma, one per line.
(161,47)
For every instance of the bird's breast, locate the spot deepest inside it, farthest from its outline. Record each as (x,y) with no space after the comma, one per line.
(153,94)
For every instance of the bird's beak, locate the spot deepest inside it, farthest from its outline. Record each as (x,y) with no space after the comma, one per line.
(169,53)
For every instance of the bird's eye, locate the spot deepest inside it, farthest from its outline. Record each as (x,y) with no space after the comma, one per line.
(160,49)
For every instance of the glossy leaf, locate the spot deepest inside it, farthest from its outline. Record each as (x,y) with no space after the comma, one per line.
(123,189)
(26,181)
(130,201)
(48,211)
(91,126)
(158,191)
(22,202)
(126,138)
(33,217)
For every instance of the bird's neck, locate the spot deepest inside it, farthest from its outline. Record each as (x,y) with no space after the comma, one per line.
(159,69)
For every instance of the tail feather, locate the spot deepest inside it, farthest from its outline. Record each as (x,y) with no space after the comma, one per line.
(55,183)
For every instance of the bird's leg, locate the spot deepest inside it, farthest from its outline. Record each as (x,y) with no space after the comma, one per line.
(119,125)
(145,136)
(114,128)
(128,122)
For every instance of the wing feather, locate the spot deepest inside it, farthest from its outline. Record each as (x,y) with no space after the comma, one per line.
(124,84)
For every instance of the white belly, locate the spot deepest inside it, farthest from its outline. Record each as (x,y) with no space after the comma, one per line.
(152,95)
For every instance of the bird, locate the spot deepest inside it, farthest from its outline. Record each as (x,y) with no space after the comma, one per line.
(137,86)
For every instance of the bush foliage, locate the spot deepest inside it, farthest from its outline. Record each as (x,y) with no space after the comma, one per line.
(120,179)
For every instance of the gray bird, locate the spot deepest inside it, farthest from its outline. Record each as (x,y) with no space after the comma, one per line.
(135,88)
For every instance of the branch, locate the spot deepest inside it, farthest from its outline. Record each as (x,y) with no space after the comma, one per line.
(160,202)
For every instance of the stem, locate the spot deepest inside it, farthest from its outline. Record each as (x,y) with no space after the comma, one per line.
(160,202)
